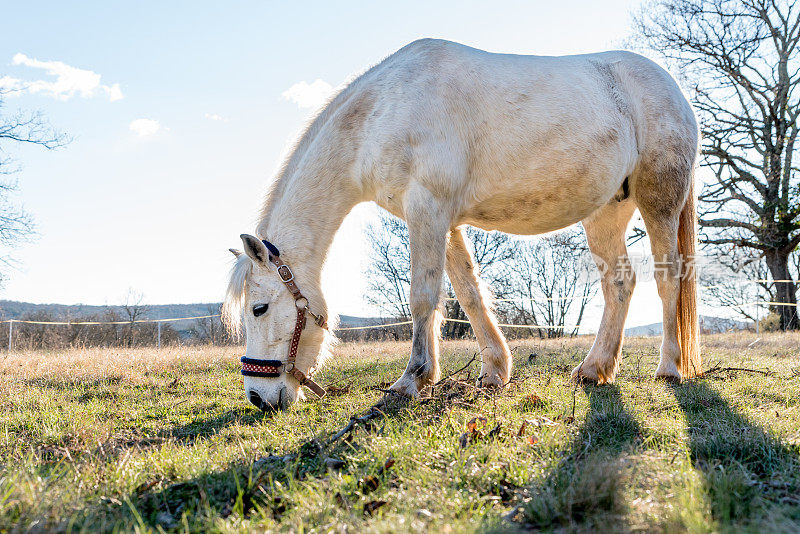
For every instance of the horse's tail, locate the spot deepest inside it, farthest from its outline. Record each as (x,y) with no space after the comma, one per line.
(688,326)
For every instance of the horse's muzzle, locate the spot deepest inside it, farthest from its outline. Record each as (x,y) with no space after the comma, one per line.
(258,402)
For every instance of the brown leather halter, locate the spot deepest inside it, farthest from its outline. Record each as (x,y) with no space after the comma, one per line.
(271,368)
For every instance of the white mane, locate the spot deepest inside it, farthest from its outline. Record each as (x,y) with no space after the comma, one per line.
(234,296)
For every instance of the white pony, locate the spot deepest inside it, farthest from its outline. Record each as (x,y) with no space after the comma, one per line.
(443,135)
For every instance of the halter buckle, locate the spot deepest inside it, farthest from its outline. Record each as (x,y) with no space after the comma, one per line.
(285,273)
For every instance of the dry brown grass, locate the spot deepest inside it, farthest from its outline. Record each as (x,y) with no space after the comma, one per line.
(103,363)
(139,363)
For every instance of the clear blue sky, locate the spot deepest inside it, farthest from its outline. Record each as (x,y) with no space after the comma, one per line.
(177,141)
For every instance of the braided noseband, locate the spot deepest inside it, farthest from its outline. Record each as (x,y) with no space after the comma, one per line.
(272,368)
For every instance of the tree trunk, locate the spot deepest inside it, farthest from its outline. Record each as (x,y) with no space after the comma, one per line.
(785,292)
(453,330)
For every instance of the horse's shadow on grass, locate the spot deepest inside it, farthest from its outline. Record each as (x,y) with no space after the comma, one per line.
(750,475)
(584,489)
(246,487)
(199,428)
(246,415)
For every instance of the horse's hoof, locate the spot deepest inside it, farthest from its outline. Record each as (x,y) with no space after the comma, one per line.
(668,372)
(669,379)
(583,374)
(490,381)
(582,380)
(393,393)
(405,388)
(591,373)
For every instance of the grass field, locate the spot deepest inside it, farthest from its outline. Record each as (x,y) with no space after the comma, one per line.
(104,440)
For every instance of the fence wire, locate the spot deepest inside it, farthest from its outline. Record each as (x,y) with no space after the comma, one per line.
(401,323)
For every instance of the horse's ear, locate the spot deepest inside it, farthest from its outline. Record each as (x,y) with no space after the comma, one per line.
(254,248)
(235,252)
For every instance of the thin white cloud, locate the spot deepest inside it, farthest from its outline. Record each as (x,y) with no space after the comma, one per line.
(7,83)
(309,95)
(114,92)
(215,117)
(145,127)
(69,81)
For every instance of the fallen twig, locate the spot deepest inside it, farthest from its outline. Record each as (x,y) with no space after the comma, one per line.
(372,413)
(474,356)
(718,369)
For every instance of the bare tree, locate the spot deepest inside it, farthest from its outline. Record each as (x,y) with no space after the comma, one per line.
(389,273)
(19,128)
(210,329)
(740,58)
(134,311)
(553,279)
(738,283)
(550,280)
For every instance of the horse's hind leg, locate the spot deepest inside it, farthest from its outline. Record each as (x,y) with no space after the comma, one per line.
(471,294)
(661,196)
(428,226)
(605,232)
(663,233)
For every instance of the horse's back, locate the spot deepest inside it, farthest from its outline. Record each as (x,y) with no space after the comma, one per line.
(526,144)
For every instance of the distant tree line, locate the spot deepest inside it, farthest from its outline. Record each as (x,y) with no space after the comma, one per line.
(129,333)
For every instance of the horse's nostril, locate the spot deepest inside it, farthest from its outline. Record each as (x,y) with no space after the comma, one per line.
(255,399)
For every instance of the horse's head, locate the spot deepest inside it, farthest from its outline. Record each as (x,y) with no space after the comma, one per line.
(259,297)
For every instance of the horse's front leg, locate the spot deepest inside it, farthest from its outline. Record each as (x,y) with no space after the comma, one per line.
(428,225)
(474,298)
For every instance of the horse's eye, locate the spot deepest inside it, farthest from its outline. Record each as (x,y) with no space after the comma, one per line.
(260,309)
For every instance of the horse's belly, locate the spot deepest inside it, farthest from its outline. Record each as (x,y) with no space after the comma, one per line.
(553,185)
(533,211)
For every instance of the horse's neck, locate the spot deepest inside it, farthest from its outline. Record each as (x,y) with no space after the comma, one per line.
(312,196)
(301,217)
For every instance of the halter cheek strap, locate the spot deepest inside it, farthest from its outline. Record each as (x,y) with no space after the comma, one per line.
(271,368)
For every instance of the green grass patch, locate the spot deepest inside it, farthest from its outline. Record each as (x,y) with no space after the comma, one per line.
(161,445)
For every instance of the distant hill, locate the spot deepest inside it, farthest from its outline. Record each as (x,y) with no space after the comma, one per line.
(707,325)
(11,309)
